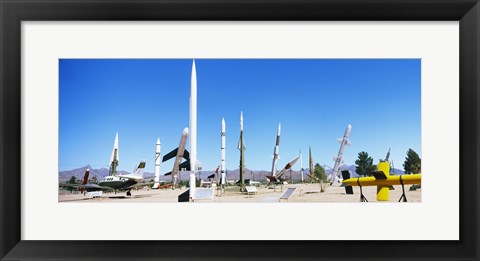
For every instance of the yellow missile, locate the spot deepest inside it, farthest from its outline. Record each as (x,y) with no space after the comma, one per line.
(382,179)
(408,179)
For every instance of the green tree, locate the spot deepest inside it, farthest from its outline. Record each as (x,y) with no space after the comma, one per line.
(413,163)
(72,180)
(364,164)
(319,173)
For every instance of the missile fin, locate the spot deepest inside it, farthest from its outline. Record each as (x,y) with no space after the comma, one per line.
(170,155)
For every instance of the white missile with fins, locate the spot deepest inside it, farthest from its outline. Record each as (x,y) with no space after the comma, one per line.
(287,167)
(114,159)
(241,147)
(157,164)
(193,130)
(339,158)
(275,150)
(222,148)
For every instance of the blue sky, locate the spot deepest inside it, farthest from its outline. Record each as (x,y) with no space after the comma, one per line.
(313,99)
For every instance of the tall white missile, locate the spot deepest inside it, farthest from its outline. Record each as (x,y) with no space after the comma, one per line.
(241,121)
(339,158)
(241,147)
(157,164)
(193,129)
(114,159)
(222,148)
(275,150)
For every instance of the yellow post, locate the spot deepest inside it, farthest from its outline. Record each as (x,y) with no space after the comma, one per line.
(383,192)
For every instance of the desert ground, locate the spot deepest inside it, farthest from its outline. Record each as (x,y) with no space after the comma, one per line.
(265,194)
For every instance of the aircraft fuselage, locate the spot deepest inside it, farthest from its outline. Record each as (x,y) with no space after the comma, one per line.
(115,182)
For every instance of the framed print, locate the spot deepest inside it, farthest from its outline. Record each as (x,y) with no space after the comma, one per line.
(92,89)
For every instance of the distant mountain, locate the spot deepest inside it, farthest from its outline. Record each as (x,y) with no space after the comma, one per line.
(99,173)
(353,172)
(258,175)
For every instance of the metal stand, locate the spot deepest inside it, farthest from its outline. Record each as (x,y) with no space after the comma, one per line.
(404,197)
(362,197)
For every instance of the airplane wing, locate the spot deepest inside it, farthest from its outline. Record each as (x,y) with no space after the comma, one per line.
(173,154)
(94,186)
(139,185)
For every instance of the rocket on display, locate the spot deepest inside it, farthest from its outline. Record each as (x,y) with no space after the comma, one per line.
(277,178)
(114,158)
(222,147)
(275,150)
(193,130)
(241,147)
(157,164)
(344,142)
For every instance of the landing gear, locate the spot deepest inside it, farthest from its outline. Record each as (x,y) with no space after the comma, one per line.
(128,193)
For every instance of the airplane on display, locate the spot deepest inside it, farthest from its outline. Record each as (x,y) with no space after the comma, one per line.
(125,182)
(113,183)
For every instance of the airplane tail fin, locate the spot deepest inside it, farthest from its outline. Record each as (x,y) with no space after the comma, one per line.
(139,170)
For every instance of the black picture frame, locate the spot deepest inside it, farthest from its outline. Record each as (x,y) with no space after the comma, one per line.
(13,12)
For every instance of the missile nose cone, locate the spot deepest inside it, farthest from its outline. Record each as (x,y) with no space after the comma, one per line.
(349,127)
(279,128)
(158,141)
(185,131)
(241,120)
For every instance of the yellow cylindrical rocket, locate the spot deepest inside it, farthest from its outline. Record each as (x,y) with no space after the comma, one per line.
(408,179)
(384,181)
